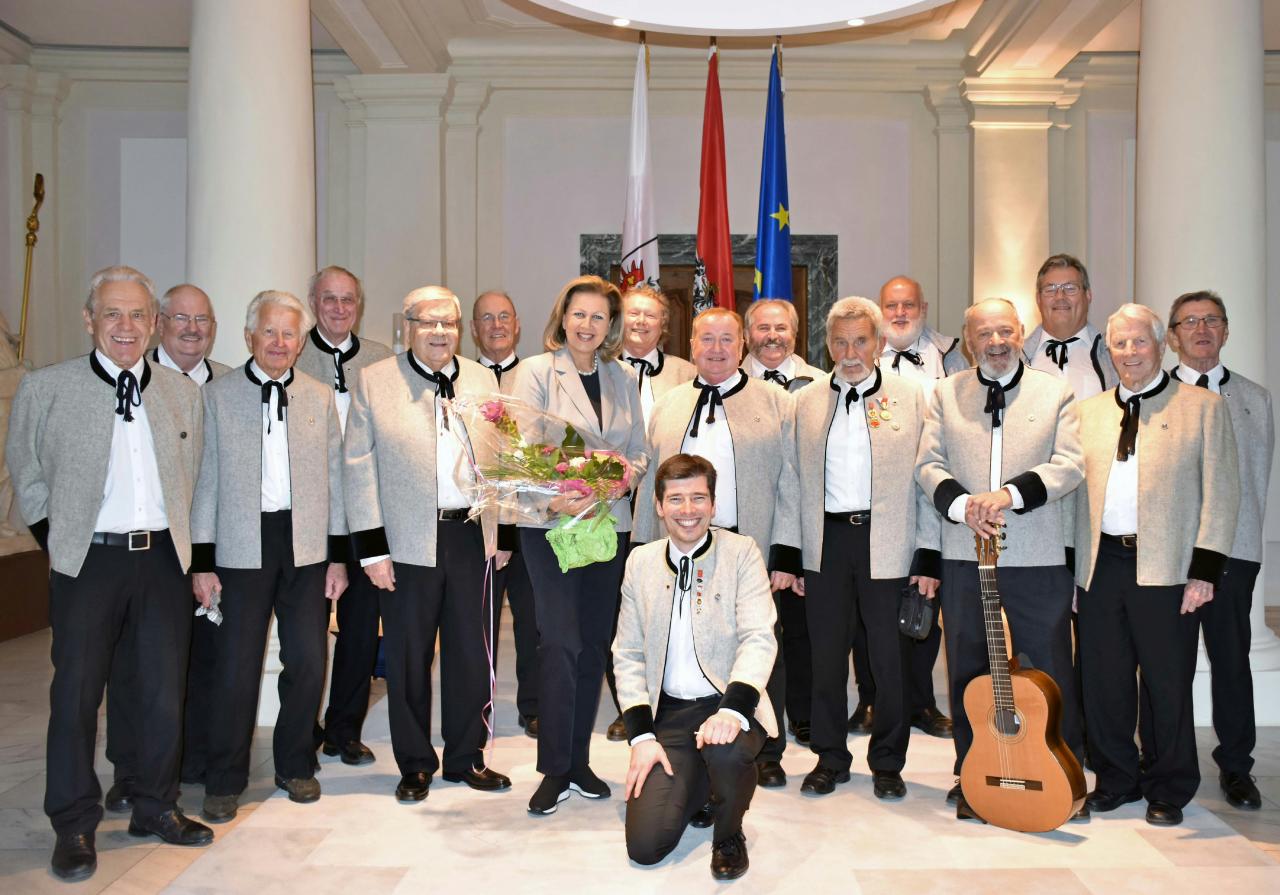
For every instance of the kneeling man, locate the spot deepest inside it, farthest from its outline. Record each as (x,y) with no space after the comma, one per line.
(693,653)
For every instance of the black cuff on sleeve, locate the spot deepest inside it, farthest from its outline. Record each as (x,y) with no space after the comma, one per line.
(637,720)
(40,531)
(927,563)
(783,558)
(1071,559)
(741,698)
(508,538)
(1031,487)
(202,557)
(339,548)
(1207,566)
(945,495)
(370,542)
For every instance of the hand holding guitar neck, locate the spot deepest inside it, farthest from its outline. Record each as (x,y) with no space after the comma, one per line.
(984,512)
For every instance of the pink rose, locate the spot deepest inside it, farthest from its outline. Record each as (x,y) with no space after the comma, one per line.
(549,449)
(493,411)
(562,467)
(575,485)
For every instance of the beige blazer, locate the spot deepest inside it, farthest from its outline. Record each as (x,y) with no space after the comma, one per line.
(550,382)
(761,421)
(59,447)
(318,364)
(389,468)
(1188,484)
(733,618)
(904,525)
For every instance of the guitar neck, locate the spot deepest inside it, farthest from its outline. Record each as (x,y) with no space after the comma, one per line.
(997,651)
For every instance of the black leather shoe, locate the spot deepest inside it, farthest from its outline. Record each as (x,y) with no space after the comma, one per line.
(964,812)
(1240,791)
(933,722)
(413,787)
(822,780)
(888,785)
(173,827)
(954,794)
(119,798)
(483,779)
(74,857)
(1102,801)
(704,816)
(1163,814)
(530,725)
(799,730)
(861,719)
(1080,816)
(770,775)
(617,731)
(586,784)
(352,752)
(219,809)
(300,789)
(548,796)
(729,857)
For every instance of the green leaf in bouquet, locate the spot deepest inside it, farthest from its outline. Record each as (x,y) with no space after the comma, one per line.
(572,440)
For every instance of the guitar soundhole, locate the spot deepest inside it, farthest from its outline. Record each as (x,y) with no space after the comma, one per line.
(1007,722)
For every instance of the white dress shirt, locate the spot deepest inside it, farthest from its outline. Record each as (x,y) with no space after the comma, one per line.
(455,473)
(756,370)
(132,498)
(1120,504)
(1079,371)
(848,457)
(505,365)
(343,399)
(276,492)
(927,374)
(714,443)
(199,374)
(956,511)
(1189,376)
(646,384)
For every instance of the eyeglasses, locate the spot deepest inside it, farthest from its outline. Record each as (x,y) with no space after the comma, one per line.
(446,325)
(1212,321)
(1070,290)
(346,301)
(502,317)
(200,320)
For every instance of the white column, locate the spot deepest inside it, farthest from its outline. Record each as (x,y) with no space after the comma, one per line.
(461,145)
(251,218)
(954,190)
(1200,217)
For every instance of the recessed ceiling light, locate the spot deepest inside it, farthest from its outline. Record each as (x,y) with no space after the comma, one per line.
(857,23)
(622,23)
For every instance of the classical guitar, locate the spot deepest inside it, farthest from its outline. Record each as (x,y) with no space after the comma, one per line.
(1019,773)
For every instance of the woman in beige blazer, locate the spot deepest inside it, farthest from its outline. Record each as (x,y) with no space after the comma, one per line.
(580,380)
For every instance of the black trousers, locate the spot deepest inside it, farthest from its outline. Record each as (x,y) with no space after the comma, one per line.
(249,597)
(354,655)
(449,600)
(1124,627)
(840,598)
(143,600)
(200,685)
(656,819)
(575,615)
(1224,621)
(1037,605)
(514,581)
(790,686)
(922,656)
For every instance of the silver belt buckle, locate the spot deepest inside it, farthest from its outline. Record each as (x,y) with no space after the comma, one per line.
(144,544)
(857,519)
(1130,541)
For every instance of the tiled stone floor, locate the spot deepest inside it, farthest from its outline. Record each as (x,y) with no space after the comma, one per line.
(358,839)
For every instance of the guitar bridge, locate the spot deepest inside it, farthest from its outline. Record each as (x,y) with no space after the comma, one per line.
(1015,783)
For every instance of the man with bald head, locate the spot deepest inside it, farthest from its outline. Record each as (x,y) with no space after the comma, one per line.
(186,327)
(1000,450)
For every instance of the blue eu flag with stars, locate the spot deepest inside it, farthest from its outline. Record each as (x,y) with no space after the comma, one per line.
(773,228)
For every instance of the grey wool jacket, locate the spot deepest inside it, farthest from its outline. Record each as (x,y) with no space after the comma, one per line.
(316,359)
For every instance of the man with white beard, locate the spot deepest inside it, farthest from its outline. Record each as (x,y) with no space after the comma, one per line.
(912,347)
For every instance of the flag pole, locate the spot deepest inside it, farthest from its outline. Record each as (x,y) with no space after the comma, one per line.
(33,225)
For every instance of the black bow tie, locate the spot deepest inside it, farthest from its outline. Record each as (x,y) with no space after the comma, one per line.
(775,376)
(995,395)
(282,396)
(1132,408)
(1056,350)
(852,397)
(128,389)
(444,381)
(710,397)
(499,369)
(1203,380)
(913,356)
(340,357)
(644,368)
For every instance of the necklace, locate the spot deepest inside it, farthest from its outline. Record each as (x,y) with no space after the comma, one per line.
(595,365)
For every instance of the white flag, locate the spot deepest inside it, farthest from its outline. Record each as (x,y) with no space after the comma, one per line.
(639,262)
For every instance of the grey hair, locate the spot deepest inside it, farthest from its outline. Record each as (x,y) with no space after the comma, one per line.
(968,312)
(855,307)
(169,293)
(1135,311)
(120,273)
(335,270)
(270,297)
(771,302)
(431,293)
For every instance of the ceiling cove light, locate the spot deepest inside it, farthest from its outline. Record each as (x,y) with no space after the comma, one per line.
(740,18)
(857,23)
(621,23)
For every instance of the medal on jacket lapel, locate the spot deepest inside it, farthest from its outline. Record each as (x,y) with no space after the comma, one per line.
(697,591)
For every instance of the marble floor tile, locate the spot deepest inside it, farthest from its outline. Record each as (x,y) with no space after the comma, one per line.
(1182,881)
(970,882)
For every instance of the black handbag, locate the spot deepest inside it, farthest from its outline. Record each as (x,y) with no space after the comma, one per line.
(915,613)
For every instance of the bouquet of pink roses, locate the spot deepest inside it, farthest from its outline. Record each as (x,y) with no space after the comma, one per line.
(529,457)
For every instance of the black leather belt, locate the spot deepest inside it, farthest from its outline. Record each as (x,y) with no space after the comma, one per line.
(1129,542)
(133,540)
(453,515)
(861,517)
